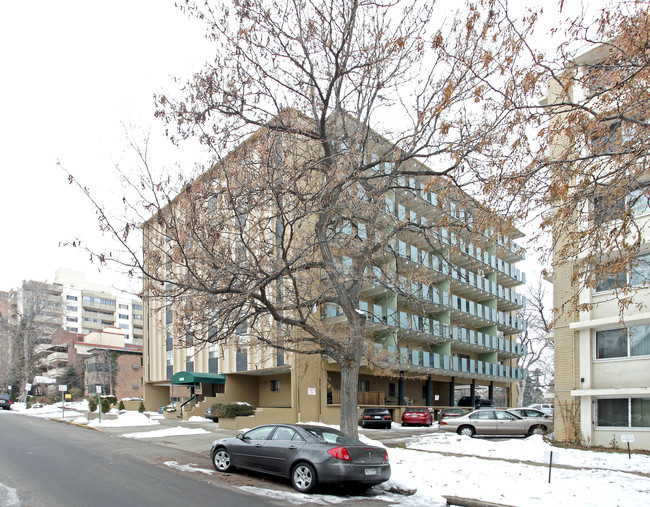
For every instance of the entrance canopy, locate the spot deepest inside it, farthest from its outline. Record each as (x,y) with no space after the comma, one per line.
(190,377)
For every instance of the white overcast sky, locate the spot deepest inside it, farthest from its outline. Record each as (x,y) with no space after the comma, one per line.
(73,73)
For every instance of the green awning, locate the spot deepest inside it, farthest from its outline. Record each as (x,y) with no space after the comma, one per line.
(190,377)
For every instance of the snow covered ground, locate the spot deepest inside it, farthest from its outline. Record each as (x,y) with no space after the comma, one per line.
(507,471)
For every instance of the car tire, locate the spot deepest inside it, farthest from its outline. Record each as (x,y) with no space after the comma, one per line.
(536,430)
(221,460)
(303,477)
(467,431)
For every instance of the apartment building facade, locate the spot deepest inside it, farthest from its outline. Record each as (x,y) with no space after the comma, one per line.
(90,306)
(451,327)
(602,345)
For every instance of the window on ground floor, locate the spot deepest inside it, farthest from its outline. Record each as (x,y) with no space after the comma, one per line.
(623,412)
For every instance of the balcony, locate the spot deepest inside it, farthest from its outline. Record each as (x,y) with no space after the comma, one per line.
(422,361)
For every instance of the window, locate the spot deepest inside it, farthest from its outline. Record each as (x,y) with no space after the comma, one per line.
(638,273)
(70,298)
(124,307)
(286,434)
(364,386)
(623,412)
(72,308)
(137,307)
(72,329)
(640,200)
(137,317)
(122,326)
(72,319)
(625,342)
(275,386)
(123,316)
(259,433)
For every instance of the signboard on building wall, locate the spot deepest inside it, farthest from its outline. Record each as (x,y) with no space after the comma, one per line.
(311,391)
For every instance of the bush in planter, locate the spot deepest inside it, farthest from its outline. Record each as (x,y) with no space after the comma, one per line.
(106,405)
(121,405)
(92,404)
(141,407)
(112,399)
(231,409)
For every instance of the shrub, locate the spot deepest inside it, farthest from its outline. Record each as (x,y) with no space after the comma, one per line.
(76,393)
(121,405)
(106,405)
(231,409)
(92,404)
(111,399)
(141,407)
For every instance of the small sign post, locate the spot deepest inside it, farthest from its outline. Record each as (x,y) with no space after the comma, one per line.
(628,437)
(63,388)
(552,458)
(99,403)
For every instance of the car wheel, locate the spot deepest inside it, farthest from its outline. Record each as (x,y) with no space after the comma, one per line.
(467,431)
(303,477)
(221,460)
(537,430)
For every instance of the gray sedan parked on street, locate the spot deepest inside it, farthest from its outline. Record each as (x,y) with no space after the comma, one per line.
(307,454)
(495,422)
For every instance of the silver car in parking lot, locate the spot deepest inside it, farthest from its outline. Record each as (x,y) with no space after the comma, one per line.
(307,454)
(495,422)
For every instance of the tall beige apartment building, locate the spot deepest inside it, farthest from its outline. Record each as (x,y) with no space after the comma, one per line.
(456,334)
(602,353)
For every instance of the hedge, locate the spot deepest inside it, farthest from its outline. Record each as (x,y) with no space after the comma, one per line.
(231,409)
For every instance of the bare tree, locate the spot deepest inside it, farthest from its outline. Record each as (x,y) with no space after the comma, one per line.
(580,165)
(300,212)
(34,315)
(539,346)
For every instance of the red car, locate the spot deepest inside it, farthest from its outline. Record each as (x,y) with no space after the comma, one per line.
(419,416)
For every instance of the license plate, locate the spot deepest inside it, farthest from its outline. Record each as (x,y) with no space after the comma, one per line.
(376,417)
(371,471)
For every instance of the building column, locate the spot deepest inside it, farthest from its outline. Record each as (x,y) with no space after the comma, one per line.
(429,398)
(452,391)
(400,389)
(472,392)
(491,391)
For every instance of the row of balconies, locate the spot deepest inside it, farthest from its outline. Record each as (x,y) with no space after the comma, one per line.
(451,365)
(449,238)
(463,309)
(433,331)
(457,212)
(444,267)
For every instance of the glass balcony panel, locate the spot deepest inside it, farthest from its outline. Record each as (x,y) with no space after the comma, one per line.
(472,365)
(403,355)
(426,358)
(446,363)
(455,362)
(415,355)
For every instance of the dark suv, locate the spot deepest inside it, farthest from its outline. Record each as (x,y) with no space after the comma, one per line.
(466,401)
(5,401)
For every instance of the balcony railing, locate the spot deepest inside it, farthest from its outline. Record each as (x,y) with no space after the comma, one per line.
(451,365)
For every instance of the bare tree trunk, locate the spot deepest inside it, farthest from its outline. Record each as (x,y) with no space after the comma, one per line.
(349,397)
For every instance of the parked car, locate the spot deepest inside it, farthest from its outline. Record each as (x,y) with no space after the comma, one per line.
(530,412)
(375,417)
(308,455)
(208,415)
(417,416)
(544,407)
(466,401)
(452,412)
(495,422)
(5,401)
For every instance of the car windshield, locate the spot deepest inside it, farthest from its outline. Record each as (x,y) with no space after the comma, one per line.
(374,410)
(333,436)
(416,410)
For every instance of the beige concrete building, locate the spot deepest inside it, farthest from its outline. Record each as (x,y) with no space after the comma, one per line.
(460,337)
(602,354)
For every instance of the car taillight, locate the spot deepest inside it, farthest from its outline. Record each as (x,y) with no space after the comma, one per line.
(385,456)
(443,423)
(386,418)
(366,417)
(339,453)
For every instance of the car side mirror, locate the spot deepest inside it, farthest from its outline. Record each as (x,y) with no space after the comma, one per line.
(240,436)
